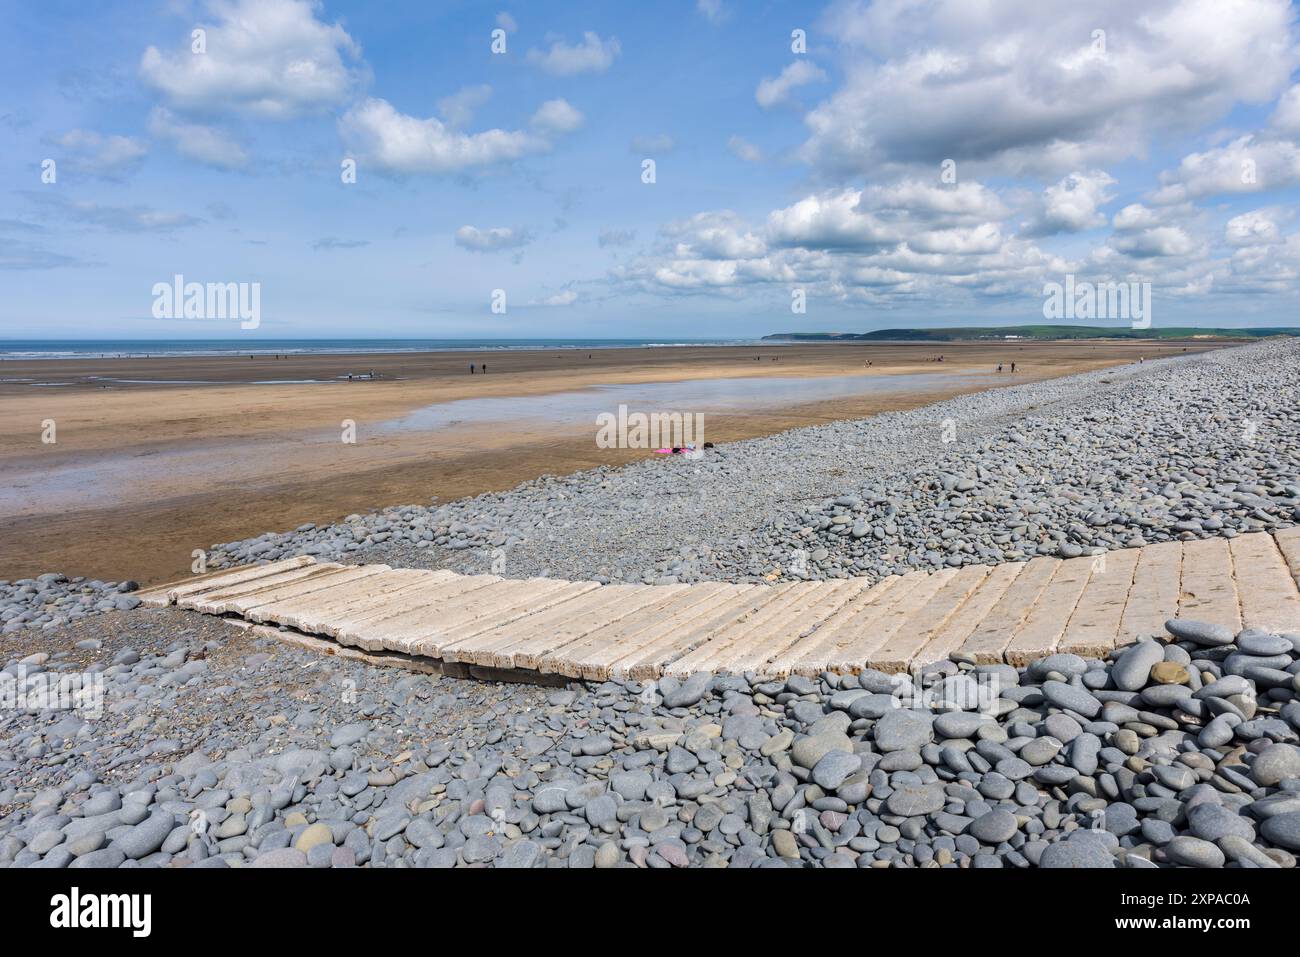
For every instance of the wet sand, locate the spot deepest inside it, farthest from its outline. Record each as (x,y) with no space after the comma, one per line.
(180,453)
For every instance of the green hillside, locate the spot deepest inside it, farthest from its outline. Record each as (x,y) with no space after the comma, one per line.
(957,333)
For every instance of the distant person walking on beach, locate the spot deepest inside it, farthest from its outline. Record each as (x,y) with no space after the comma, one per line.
(471,368)
(485,368)
(1013,367)
(999,366)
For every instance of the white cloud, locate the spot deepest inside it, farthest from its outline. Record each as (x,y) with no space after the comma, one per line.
(1249,164)
(958,204)
(776,90)
(884,244)
(1073,204)
(832,220)
(1017,86)
(566,298)
(493,239)
(745,150)
(592,55)
(556,116)
(714,236)
(1256,228)
(108,156)
(195,141)
(1156,241)
(268,58)
(985,238)
(393,142)
(1136,216)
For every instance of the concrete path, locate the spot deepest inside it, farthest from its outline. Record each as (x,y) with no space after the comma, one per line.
(1013,612)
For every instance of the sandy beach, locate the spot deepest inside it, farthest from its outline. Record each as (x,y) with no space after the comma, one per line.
(156,457)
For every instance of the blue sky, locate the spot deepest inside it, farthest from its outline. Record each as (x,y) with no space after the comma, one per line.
(1164,148)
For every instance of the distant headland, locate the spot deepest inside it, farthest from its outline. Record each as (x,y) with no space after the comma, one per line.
(959,333)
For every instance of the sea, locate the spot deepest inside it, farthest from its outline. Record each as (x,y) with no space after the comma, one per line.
(112,348)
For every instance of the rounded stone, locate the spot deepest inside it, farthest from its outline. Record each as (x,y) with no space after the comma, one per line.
(1276,763)
(995,827)
(1264,645)
(904,730)
(314,835)
(959,724)
(913,800)
(1283,830)
(1200,632)
(1071,698)
(785,845)
(1211,822)
(1133,667)
(282,857)
(834,768)
(1076,852)
(1170,673)
(807,751)
(1193,852)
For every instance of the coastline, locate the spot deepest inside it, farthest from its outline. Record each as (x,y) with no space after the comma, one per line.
(258,457)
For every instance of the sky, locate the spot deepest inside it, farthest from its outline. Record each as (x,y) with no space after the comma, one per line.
(681,169)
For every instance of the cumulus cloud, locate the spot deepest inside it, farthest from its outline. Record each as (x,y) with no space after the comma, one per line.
(881,244)
(566,298)
(1155,241)
(834,220)
(267,58)
(492,240)
(958,204)
(395,143)
(109,157)
(1021,86)
(720,235)
(1072,205)
(776,90)
(592,55)
(985,238)
(204,144)
(1248,164)
(1257,228)
(556,116)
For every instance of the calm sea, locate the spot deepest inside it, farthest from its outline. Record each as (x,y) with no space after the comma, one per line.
(89,348)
